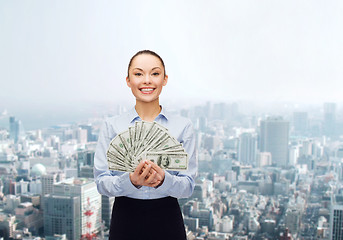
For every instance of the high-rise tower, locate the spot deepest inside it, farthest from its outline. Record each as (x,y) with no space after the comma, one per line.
(14,129)
(329,121)
(300,123)
(77,192)
(247,148)
(274,137)
(336,217)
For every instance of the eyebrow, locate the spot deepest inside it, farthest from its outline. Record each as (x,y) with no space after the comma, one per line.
(143,70)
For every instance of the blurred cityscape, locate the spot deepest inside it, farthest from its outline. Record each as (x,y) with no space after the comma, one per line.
(273,174)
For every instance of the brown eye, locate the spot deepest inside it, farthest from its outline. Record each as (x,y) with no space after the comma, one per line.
(156,74)
(138,74)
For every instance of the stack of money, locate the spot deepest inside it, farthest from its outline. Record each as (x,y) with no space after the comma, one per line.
(146,140)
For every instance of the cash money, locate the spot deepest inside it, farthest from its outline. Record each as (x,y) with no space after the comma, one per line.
(146,140)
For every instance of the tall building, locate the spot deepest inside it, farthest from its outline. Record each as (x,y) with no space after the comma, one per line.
(292,219)
(274,137)
(48,181)
(247,148)
(336,217)
(89,129)
(15,129)
(106,209)
(263,159)
(300,123)
(329,121)
(89,198)
(293,155)
(62,216)
(85,158)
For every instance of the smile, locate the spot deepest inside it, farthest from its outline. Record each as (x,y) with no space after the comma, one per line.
(147,90)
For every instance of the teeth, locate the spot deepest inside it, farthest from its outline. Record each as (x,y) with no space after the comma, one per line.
(147,89)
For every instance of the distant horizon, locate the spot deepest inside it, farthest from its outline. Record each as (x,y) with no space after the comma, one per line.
(45,116)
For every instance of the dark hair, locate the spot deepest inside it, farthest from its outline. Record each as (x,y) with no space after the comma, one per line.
(146,52)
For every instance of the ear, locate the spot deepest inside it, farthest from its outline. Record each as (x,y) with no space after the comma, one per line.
(165,80)
(128,82)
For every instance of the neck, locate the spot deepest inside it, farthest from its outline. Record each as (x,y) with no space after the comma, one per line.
(148,111)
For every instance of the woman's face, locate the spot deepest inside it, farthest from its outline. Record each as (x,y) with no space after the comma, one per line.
(146,78)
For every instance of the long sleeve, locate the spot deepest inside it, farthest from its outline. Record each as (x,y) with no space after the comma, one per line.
(181,184)
(109,183)
(178,184)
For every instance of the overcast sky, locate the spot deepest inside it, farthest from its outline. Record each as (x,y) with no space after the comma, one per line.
(67,51)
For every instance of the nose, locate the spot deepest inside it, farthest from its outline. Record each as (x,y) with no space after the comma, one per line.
(147,79)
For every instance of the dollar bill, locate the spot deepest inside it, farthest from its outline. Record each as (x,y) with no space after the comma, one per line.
(146,140)
(169,160)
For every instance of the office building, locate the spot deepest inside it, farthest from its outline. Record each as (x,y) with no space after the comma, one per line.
(90,199)
(15,129)
(300,123)
(48,181)
(274,138)
(329,121)
(247,148)
(85,158)
(62,216)
(336,217)
(292,219)
(106,209)
(89,130)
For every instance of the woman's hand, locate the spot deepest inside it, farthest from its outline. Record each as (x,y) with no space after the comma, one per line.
(148,174)
(144,175)
(160,174)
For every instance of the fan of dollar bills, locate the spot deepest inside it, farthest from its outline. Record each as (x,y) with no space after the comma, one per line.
(146,140)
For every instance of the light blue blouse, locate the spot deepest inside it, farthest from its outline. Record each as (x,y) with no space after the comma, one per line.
(178,184)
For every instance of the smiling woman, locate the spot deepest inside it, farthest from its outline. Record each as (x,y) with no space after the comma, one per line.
(146,78)
(146,199)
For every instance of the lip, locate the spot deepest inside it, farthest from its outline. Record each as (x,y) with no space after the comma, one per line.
(147,90)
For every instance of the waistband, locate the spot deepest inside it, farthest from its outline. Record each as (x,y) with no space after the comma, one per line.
(129,202)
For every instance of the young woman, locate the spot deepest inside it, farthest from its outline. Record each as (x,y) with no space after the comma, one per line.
(146,205)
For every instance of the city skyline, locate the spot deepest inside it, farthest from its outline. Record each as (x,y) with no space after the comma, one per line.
(39,117)
(256,178)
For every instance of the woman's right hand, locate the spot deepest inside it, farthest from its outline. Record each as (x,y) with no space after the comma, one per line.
(144,175)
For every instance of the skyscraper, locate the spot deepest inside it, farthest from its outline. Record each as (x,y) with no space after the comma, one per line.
(336,217)
(300,123)
(247,148)
(62,216)
(48,181)
(274,137)
(329,121)
(85,158)
(14,129)
(86,191)
(106,209)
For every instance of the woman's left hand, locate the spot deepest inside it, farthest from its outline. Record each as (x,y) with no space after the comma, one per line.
(160,174)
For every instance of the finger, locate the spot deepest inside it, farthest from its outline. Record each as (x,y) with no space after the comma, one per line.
(145,172)
(151,179)
(157,168)
(139,168)
(155,184)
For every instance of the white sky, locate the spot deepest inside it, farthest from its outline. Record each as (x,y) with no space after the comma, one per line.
(66,51)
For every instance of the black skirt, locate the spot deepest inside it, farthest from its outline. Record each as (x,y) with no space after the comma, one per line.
(156,219)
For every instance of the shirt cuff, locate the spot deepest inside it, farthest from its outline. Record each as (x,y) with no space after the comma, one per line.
(127,184)
(167,183)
